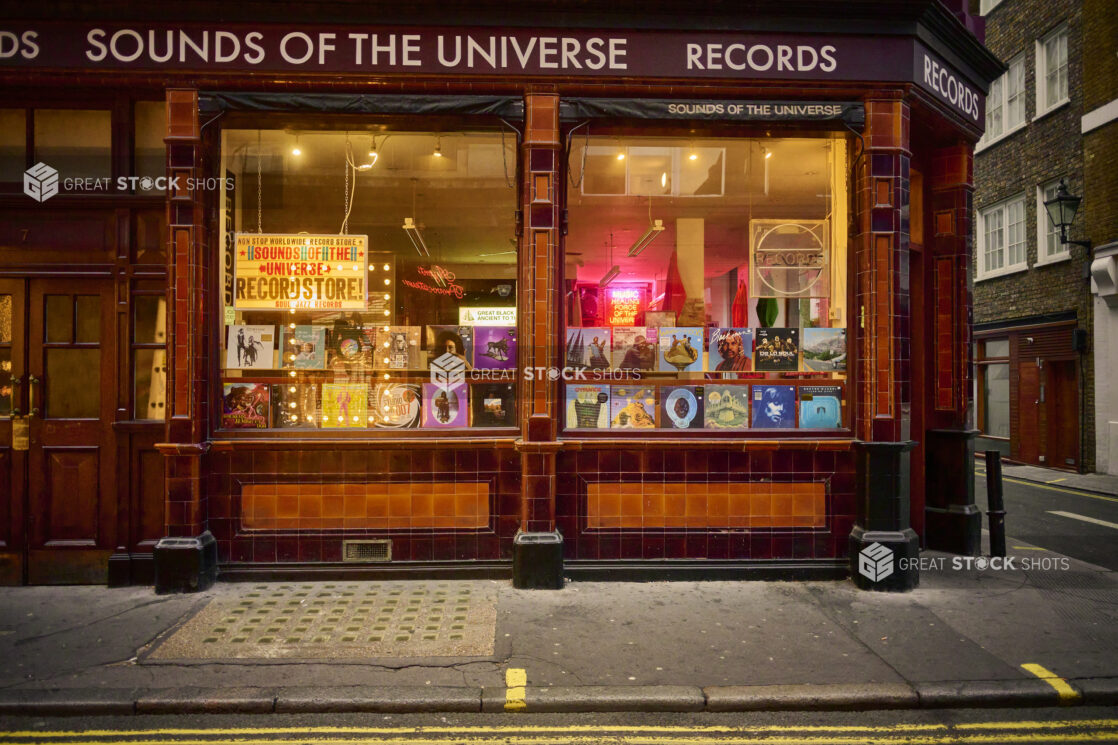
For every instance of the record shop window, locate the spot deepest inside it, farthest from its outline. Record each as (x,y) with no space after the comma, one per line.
(369,280)
(706,285)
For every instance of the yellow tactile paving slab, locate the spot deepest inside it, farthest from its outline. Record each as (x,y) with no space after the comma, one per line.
(340,620)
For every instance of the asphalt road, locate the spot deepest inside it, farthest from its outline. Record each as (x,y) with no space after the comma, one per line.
(1038,726)
(1031,520)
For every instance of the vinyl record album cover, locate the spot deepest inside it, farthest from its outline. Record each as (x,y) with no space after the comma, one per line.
(250,347)
(303,347)
(588,348)
(445,408)
(681,349)
(825,350)
(493,405)
(632,407)
(347,348)
(777,350)
(730,350)
(344,405)
(396,348)
(395,406)
(820,406)
(681,407)
(634,348)
(295,406)
(456,340)
(244,406)
(726,407)
(774,406)
(495,347)
(587,406)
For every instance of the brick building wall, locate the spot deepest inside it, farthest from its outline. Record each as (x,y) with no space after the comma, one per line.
(1100,208)
(1047,147)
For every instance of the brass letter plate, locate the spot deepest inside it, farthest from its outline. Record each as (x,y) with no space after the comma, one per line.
(21,433)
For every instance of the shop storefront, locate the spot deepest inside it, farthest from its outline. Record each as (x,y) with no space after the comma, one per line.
(469,299)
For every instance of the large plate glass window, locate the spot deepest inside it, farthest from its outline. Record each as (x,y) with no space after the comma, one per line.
(369,280)
(706,285)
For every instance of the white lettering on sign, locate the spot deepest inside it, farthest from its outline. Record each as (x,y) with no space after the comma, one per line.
(942,80)
(23,44)
(760,57)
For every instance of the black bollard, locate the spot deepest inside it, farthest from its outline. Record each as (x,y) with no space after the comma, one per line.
(996,511)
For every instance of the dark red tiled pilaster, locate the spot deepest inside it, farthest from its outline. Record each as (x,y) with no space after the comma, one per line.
(882,285)
(186,345)
(540,322)
(953,521)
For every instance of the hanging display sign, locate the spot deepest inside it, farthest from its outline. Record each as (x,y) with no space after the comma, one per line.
(306,272)
(789,258)
(623,305)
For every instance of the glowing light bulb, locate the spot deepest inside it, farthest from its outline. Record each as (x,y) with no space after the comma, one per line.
(290,325)
(292,373)
(386,359)
(291,357)
(291,389)
(291,405)
(621,156)
(387,281)
(386,312)
(386,267)
(387,296)
(693,156)
(386,376)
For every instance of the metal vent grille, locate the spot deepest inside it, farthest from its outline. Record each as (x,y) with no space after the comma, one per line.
(367,550)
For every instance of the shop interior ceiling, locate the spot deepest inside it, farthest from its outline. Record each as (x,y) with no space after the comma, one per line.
(464,199)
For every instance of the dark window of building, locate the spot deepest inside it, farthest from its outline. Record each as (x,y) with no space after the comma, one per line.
(993,387)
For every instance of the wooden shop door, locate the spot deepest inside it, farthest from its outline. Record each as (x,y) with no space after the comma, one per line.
(1061,408)
(63,353)
(1025,442)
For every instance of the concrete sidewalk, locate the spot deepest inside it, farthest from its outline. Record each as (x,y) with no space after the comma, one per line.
(1097,483)
(961,639)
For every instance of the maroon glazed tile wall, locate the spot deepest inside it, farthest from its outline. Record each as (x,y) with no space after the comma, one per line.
(576,470)
(228,471)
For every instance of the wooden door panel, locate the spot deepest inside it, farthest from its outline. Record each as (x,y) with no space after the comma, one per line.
(13,398)
(149,525)
(1062,414)
(72,498)
(1028,436)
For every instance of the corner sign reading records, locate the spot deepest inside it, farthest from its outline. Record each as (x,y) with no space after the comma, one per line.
(274,271)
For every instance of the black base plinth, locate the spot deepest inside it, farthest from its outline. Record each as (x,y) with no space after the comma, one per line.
(956,529)
(537,561)
(185,564)
(952,521)
(884,560)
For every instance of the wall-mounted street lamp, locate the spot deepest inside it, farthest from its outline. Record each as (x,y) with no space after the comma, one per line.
(1061,211)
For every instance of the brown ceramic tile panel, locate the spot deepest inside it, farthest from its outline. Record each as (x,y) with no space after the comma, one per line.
(745,504)
(367,506)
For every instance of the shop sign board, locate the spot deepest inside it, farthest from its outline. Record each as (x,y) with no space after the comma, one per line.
(414,50)
(275,271)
